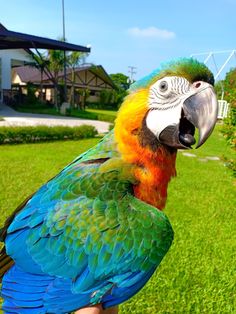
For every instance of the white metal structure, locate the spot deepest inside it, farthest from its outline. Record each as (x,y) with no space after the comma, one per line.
(223,109)
(227,56)
(210,56)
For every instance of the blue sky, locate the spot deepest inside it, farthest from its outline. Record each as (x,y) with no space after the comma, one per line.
(130,33)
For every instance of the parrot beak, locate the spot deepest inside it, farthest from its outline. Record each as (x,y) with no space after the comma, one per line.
(199,110)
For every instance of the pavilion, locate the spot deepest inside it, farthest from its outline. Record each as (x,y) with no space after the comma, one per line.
(15,51)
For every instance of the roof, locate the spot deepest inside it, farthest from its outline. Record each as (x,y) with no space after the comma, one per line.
(97,70)
(28,74)
(15,40)
(31,74)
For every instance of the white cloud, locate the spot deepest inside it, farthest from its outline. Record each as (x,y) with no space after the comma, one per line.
(151,32)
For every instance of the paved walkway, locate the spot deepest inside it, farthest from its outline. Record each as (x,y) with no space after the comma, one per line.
(12,117)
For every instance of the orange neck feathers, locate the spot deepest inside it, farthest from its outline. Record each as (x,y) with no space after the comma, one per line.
(153,169)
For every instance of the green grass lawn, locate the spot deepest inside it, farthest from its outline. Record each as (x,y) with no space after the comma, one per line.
(95,114)
(198,275)
(53,111)
(38,109)
(112,113)
(92,114)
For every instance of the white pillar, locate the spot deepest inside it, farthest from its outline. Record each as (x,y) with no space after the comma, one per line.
(6,72)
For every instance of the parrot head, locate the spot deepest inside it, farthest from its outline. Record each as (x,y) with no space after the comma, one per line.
(166,107)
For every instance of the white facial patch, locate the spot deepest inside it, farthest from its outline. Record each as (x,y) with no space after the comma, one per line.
(158,120)
(166,98)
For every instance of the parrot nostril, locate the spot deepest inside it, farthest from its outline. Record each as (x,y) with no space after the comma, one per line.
(197,85)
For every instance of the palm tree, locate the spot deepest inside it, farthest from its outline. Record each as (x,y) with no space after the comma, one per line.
(74,59)
(42,64)
(56,62)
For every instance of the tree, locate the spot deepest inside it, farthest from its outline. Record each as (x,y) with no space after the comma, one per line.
(229,127)
(219,89)
(56,63)
(41,63)
(230,87)
(121,80)
(84,94)
(74,59)
(122,83)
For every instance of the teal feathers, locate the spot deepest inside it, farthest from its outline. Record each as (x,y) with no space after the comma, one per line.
(189,68)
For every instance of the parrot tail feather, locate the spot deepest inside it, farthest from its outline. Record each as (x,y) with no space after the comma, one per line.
(3,230)
(6,262)
(24,292)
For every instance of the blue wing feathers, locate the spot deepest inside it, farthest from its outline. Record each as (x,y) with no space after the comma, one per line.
(26,289)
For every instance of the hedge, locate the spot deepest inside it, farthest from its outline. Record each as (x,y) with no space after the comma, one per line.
(229,132)
(31,134)
(91,115)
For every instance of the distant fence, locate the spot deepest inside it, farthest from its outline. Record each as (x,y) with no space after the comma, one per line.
(223,109)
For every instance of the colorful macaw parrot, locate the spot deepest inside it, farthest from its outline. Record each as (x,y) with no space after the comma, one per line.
(95,233)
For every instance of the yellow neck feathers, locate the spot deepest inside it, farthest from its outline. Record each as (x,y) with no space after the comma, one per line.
(152,169)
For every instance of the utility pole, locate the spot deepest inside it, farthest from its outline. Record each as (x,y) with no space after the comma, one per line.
(132,72)
(64,39)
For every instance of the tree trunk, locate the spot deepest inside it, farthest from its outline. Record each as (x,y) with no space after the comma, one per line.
(73,87)
(72,90)
(41,86)
(56,104)
(55,97)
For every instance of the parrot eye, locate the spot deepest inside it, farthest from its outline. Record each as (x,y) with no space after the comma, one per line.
(163,86)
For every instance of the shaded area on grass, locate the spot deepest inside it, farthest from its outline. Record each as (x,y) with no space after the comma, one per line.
(94,114)
(91,114)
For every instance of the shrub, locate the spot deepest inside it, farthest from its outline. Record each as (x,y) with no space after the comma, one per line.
(231,164)
(229,131)
(106,96)
(229,128)
(30,134)
(30,98)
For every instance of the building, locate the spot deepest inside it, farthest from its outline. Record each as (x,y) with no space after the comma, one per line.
(8,60)
(92,79)
(15,50)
